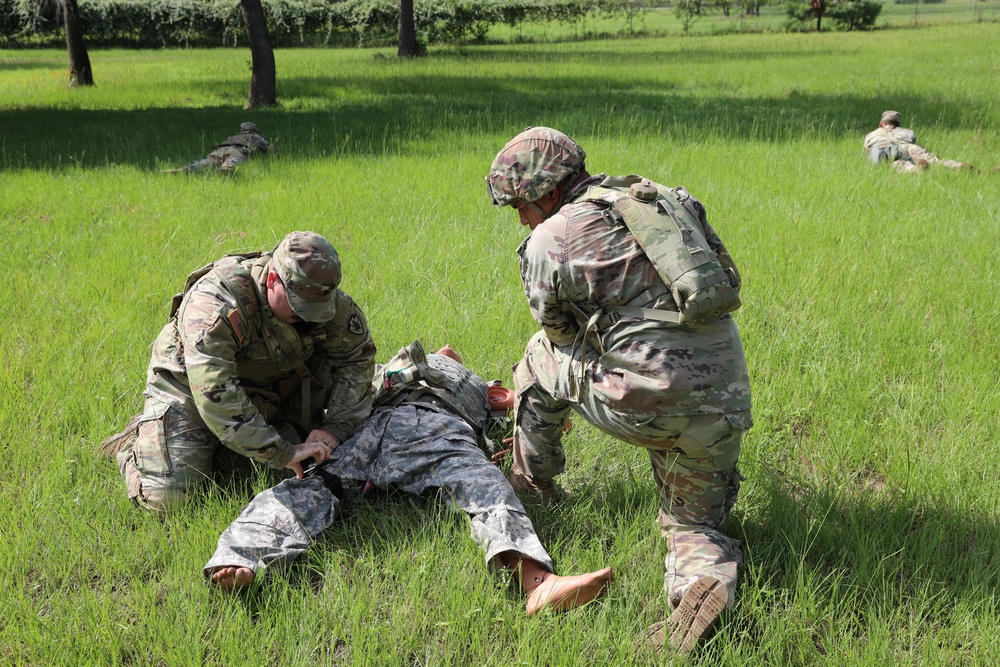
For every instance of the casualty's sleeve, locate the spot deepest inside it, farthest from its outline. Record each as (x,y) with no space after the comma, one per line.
(542,266)
(210,328)
(350,352)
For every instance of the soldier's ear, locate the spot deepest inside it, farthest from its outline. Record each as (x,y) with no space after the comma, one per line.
(272,277)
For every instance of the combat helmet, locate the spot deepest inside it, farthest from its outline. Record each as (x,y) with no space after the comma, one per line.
(248,127)
(533,164)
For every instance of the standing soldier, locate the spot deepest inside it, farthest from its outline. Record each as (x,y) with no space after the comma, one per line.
(430,413)
(632,288)
(262,355)
(232,152)
(899,145)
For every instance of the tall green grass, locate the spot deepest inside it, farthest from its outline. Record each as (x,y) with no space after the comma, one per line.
(869,512)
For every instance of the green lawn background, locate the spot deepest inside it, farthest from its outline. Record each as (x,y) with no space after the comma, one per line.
(869,512)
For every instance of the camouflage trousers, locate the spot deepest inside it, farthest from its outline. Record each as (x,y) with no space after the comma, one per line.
(410,448)
(226,158)
(172,454)
(694,460)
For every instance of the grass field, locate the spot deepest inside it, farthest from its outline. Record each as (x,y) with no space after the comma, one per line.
(870,508)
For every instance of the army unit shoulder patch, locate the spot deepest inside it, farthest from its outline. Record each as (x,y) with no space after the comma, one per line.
(354,325)
(236,322)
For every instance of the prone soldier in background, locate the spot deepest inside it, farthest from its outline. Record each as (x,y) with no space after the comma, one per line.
(430,414)
(632,288)
(232,152)
(892,143)
(262,356)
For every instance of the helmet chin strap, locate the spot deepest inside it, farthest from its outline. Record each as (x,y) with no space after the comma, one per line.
(538,209)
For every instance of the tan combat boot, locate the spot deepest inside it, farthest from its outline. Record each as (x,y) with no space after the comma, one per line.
(694,619)
(537,491)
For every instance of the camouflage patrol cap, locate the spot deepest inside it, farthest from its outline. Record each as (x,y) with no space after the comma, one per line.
(532,164)
(892,117)
(248,127)
(309,268)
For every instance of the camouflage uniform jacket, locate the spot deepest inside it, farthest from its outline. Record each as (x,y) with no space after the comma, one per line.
(217,349)
(251,142)
(575,263)
(886,137)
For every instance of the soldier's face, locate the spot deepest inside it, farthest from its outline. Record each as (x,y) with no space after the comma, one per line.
(535,213)
(277,298)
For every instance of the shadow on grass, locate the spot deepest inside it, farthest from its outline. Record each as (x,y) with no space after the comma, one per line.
(862,553)
(398,114)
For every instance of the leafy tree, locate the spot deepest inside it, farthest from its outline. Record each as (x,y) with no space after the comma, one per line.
(855,14)
(687,12)
(263,91)
(724,5)
(806,11)
(630,9)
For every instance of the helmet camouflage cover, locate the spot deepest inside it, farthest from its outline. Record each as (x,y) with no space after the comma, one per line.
(532,164)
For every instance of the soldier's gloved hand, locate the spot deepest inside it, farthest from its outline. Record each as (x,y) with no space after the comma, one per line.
(318,435)
(317,451)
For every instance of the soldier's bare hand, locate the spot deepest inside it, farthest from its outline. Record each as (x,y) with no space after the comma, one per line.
(324,437)
(317,451)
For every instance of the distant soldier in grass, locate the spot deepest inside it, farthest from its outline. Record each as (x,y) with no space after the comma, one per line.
(263,357)
(890,142)
(232,152)
(632,288)
(430,415)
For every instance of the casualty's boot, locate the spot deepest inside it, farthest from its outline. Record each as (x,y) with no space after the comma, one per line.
(537,491)
(694,619)
(564,593)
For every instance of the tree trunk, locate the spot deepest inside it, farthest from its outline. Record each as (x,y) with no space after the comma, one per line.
(818,7)
(407,30)
(79,62)
(262,79)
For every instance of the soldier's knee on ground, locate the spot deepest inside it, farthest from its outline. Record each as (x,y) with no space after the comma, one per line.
(162,500)
(154,494)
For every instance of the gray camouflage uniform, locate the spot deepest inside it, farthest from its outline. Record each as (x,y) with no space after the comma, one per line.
(415,440)
(234,151)
(225,370)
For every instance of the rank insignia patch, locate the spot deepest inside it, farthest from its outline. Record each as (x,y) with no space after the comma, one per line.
(236,322)
(354,325)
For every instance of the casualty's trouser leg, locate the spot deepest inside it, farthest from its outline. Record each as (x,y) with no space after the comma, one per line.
(170,456)
(423,449)
(699,482)
(277,525)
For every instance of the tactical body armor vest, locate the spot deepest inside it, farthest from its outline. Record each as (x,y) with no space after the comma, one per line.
(412,373)
(241,140)
(668,227)
(291,352)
